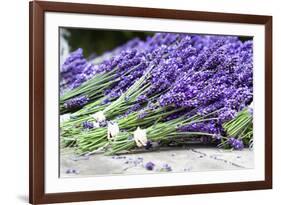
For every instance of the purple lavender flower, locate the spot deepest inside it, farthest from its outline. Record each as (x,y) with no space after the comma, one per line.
(169,69)
(217,137)
(75,59)
(226,114)
(211,127)
(142,114)
(236,143)
(87,125)
(75,70)
(231,140)
(142,98)
(203,57)
(76,102)
(135,107)
(72,171)
(68,171)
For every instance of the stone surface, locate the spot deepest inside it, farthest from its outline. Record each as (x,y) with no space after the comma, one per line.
(180,159)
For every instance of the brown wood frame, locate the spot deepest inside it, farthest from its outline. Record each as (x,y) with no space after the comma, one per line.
(36,101)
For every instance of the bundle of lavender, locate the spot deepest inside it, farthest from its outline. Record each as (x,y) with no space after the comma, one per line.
(239,130)
(109,78)
(167,64)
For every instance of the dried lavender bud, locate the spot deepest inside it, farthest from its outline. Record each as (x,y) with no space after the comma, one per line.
(149,166)
(166,168)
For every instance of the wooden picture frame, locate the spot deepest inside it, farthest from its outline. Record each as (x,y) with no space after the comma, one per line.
(37,10)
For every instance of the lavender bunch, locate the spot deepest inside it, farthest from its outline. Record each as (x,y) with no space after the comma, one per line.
(74,71)
(115,75)
(239,130)
(159,77)
(214,85)
(151,51)
(106,74)
(160,55)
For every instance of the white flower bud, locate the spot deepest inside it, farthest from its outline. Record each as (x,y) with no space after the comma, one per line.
(140,137)
(112,130)
(99,116)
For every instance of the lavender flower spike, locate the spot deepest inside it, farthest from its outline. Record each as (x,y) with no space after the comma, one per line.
(76,102)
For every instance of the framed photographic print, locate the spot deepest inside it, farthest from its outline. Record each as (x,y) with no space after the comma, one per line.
(139,102)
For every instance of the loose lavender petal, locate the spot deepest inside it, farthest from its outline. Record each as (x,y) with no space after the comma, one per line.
(167,168)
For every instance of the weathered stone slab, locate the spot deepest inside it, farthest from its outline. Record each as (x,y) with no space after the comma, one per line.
(183,159)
